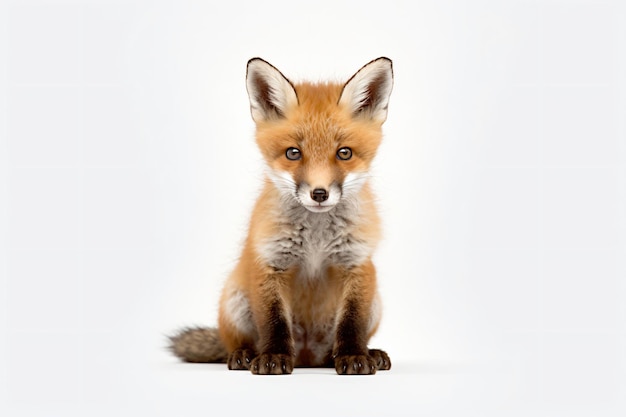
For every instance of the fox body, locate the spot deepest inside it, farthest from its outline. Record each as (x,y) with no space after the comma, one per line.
(304,290)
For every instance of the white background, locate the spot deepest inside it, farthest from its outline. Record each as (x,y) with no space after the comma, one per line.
(128,169)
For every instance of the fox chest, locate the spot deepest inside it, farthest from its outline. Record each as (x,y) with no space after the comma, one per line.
(313,245)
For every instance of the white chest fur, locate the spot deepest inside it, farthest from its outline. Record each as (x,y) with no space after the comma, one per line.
(313,241)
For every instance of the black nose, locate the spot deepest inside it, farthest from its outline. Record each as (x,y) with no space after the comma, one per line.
(319,195)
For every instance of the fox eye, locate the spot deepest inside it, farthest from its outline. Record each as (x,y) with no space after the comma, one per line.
(293,154)
(344,154)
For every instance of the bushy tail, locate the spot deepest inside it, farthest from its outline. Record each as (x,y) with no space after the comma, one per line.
(198,344)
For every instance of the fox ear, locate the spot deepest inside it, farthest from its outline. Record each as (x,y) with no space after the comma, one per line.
(270,93)
(366,94)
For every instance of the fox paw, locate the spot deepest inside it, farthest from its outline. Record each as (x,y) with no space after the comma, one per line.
(240,359)
(381,358)
(355,365)
(272,364)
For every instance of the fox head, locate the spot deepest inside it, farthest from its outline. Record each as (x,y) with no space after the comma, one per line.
(319,139)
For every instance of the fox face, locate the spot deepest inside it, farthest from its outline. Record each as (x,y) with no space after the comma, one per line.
(318,140)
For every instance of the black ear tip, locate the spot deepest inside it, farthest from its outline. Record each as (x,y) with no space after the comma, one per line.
(256,60)
(260,63)
(383,60)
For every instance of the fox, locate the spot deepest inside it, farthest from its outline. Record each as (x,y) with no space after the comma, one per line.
(304,292)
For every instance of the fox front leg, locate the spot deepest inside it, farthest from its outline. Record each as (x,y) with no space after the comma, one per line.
(355,324)
(275,345)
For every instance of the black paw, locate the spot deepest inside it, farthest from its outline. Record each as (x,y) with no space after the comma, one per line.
(240,359)
(381,358)
(355,365)
(272,364)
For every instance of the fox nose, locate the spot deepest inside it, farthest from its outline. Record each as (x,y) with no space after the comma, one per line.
(319,195)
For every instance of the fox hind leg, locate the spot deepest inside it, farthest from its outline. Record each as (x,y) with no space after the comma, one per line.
(237,328)
(381,359)
(241,358)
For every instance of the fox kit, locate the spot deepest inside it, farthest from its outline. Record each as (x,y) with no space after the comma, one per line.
(304,290)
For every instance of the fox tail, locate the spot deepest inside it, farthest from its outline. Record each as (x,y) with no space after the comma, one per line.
(198,344)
